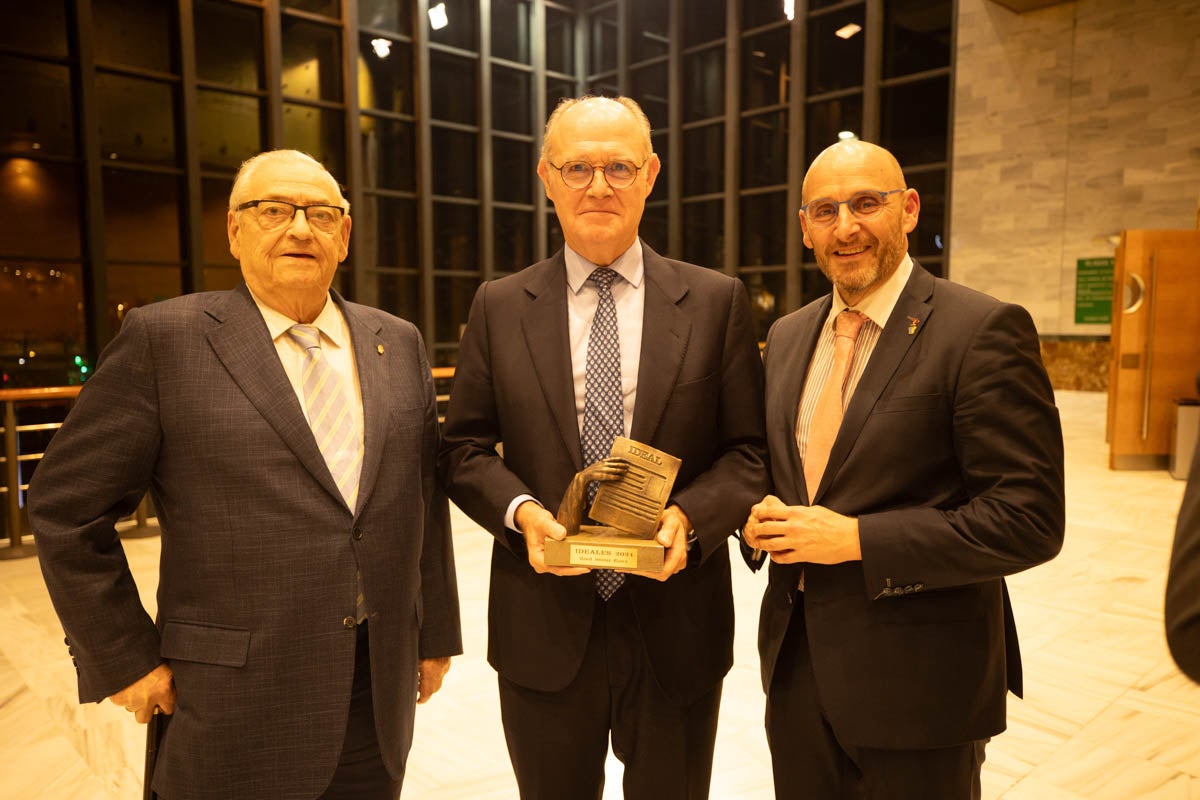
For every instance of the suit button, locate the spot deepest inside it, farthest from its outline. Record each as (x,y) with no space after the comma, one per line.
(349,622)
(358,533)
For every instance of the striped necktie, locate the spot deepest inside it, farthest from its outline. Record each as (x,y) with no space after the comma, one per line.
(831,402)
(327,399)
(603,409)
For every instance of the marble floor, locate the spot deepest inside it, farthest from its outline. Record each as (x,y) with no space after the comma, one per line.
(1106,714)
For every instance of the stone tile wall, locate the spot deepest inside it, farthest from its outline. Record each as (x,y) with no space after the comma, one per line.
(1071,124)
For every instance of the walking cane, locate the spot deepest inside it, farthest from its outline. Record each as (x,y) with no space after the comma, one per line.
(154,731)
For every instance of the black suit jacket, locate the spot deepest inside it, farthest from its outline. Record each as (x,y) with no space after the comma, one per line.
(699,397)
(950,455)
(259,550)
(1183,579)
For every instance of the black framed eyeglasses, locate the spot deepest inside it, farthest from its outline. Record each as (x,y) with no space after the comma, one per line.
(823,211)
(618,174)
(273,214)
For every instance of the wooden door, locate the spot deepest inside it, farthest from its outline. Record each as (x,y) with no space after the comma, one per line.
(1155,342)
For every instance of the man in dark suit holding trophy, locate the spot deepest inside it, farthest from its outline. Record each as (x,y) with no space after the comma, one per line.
(607,339)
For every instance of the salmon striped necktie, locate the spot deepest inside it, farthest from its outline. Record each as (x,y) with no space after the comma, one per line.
(827,415)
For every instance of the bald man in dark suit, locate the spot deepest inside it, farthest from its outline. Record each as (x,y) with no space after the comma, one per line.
(906,488)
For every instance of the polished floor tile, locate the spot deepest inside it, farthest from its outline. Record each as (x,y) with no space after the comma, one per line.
(1106,715)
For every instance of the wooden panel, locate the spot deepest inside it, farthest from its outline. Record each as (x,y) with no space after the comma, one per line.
(1156,343)
(1021,6)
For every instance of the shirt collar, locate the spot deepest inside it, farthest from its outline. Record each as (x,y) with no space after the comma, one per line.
(330,321)
(629,265)
(878,305)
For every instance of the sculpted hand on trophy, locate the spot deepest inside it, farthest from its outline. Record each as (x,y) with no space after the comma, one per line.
(570,510)
(634,533)
(538,526)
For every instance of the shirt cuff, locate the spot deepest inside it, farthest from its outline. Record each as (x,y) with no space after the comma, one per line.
(510,516)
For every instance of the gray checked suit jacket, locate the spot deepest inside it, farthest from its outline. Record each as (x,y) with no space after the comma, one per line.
(257,581)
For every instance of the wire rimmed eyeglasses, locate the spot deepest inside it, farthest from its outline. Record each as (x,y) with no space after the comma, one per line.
(618,174)
(823,211)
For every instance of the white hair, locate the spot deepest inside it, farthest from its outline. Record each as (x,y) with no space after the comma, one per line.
(252,163)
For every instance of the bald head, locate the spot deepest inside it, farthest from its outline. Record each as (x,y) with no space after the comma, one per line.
(865,240)
(591,112)
(854,157)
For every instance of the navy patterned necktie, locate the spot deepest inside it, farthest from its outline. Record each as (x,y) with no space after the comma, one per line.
(603,409)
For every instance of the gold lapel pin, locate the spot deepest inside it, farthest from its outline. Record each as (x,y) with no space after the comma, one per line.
(913,322)
(379,347)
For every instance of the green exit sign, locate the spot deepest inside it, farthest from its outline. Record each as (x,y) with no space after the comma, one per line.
(1093,290)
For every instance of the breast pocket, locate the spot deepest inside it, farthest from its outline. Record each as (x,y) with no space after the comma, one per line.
(912,402)
(688,391)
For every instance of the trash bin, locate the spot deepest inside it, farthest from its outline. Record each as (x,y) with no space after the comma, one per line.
(1183,437)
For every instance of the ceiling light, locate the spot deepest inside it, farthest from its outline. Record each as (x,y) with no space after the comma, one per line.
(437,17)
(846,31)
(382,47)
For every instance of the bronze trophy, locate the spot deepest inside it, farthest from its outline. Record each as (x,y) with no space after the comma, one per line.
(635,484)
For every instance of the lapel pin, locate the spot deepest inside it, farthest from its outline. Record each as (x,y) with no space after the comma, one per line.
(379,347)
(913,322)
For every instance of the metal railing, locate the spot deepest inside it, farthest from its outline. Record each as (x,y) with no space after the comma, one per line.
(15,522)
(15,519)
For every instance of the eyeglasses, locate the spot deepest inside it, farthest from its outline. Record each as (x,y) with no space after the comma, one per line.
(580,174)
(823,212)
(273,214)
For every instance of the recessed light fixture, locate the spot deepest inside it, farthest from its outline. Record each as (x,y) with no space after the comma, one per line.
(438,18)
(382,47)
(844,32)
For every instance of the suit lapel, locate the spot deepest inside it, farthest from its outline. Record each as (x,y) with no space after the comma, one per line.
(906,323)
(792,367)
(370,358)
(544,324)
(665,332)
(243,344)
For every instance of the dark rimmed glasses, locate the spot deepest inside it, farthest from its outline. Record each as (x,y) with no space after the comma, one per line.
(823,211)
(273,214)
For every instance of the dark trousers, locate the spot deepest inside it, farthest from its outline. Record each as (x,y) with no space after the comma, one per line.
(809,760)
(558,741)
(360,774)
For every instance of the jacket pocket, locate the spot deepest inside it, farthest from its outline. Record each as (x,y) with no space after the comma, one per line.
(915,402)
(205,643)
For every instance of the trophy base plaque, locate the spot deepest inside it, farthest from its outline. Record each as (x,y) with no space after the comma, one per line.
(602,547)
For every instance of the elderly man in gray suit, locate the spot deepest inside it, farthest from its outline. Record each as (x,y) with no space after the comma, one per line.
(306,596)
